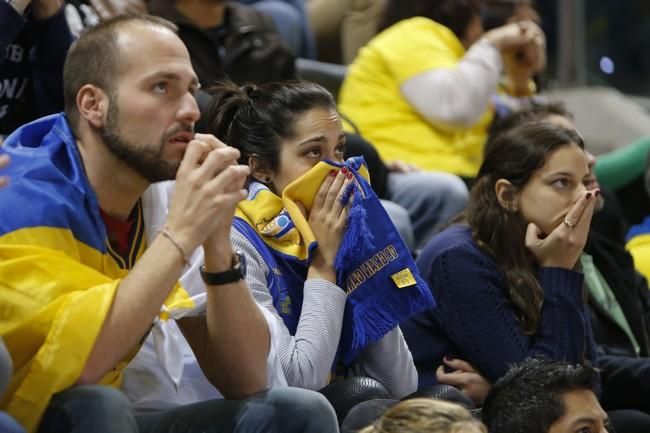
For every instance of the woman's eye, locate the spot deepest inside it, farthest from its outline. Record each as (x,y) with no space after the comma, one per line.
(313,153)
(340,150)
(561,183)
(584,430)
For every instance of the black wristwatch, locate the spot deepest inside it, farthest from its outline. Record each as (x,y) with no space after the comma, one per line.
(236,272)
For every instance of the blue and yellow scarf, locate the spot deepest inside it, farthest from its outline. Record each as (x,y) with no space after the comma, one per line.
(372,265)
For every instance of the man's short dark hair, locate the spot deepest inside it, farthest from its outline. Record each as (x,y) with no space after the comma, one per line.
(95,58)
(529,398)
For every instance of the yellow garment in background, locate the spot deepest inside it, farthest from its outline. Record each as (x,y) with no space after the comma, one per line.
(371,98)
(639,248)
(55,293)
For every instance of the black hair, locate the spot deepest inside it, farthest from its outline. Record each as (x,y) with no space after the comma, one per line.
(254,118)
(537,111)
(453,14)
(529,397)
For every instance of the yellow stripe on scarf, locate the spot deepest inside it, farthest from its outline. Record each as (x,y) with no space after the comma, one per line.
(261,211)
(53,302)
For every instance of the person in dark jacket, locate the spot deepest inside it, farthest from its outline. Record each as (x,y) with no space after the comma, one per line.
(228,40)
(617,305)
(34,38)
(619,301)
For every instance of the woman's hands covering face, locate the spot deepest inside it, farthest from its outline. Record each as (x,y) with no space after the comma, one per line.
(329,211)
(562,247)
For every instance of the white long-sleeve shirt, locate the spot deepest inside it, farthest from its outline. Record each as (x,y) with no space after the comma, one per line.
(457,96)
(307,356)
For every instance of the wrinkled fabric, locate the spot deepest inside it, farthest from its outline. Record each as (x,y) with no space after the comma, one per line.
(58,273)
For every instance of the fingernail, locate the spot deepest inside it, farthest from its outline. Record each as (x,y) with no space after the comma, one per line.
(588,195)
(350,175)
(333,172)
(344,170)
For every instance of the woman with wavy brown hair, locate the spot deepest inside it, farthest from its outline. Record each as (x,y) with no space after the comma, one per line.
(505,278)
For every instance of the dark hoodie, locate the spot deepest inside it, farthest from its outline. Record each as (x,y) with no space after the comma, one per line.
(31,66)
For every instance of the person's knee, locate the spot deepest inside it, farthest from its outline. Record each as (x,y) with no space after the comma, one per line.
(455,189)
(302,399)
(101,408)
(307,408)
(102,401)
(401,220)
(9,425)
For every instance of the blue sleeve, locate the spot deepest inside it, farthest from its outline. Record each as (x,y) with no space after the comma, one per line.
(53,39)
(479,318)
(11,23)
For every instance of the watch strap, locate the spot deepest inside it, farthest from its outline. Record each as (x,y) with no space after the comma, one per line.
(236,272)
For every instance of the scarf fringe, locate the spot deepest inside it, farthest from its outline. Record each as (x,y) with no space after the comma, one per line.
(357,240)
(375,316)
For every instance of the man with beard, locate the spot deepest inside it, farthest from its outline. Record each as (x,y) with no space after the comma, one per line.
(81,284)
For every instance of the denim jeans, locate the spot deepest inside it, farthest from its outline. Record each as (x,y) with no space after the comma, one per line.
(101,409)
(402,222)
(431,199)
(9,425)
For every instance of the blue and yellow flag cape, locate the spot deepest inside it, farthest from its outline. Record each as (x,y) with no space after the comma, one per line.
(58,273)
(373,265)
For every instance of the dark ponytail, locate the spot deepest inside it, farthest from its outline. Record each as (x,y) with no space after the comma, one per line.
(256,118)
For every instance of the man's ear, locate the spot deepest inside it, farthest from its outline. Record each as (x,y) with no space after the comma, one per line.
(92,103)
(259,171)
(506,195)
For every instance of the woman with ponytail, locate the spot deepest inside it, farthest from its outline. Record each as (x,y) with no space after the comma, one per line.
(302,228)
(504,277)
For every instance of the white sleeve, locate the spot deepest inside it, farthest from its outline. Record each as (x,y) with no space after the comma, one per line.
(273,365)
(306,357)
(165,335)
(457,96)
(389,361)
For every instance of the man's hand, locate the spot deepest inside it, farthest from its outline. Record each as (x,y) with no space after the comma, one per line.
(466,378)
(208,187)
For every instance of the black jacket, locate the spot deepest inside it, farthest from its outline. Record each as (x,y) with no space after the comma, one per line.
(630,289)
(245,47)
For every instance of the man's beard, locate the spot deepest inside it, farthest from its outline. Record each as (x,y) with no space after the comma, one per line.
(147,162)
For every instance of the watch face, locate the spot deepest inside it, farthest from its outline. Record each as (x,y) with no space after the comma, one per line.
(234,274)
(241,263)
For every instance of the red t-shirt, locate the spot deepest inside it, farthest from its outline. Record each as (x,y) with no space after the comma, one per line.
(118,232)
